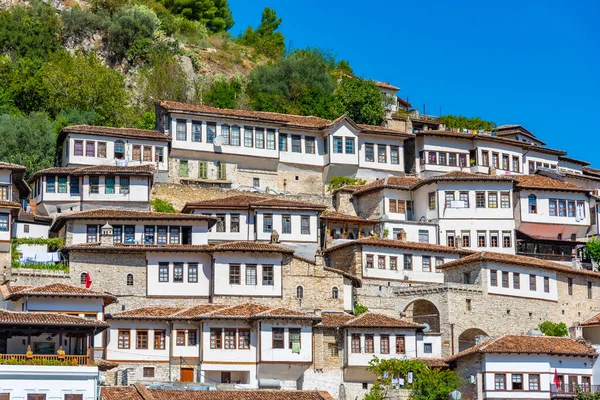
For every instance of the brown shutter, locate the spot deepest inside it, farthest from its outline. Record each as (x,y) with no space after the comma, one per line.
(401,207)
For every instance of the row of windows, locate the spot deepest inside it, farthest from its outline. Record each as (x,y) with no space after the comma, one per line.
(517,381)
(229,338)
(98,149)
(533,165)
(286,222)
(183,337)
(255,137)
(152,234)
(494,199)
(165,271)
(506,165)
(443,158)
(367,345)
(343,145)
(484,239)
(382,154)
(558,207)
(383,262)
(516,280)
(184,171)
(65,185)
(251,274)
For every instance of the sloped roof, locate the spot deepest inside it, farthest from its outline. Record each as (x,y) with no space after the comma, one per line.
(13,318)
(25,216)
(139,248)
(11,166)
(400,244)
(252,247)
(529,344)
(334,319)
(386,85)
(391,182)
(143,170)
(540,182)
(461,176)
(9,204)
(112,132)
(245,201)
(338,216)
(54,289)
(375,320)
(593,321)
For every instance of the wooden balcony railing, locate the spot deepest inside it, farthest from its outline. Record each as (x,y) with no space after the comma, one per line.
(569,390)
(41,358)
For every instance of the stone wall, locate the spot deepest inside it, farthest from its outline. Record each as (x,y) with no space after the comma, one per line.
(344,203)
(348,259)
(38,277)
(129,373)
(369,205)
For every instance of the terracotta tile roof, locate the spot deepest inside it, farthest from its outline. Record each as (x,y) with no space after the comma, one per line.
(334,319)
(591,171)
(403,102)
(375,320)
(593,321)
(461,176)
(197,311)
(385,85)
(141,248)
(285,313)
(12,318)
(392,182)
(8,290)
(540,182)
(383,130)
(9,204)
(113,132)
(338,216)
(146,313)
(57,289)
(400,244)
(14,167)
(252,247)
(25,216)
(139,392)
(516,260)
(530,344)
(356,281)
(240,311)
(573,160)
(144,170)
(433,362)
(244,201)
(347,188)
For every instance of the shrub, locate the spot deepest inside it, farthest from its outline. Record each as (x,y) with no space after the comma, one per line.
(160,205)
(223,94)
(165,80)
(264,39)
(128,26)
(337,182)
(361,100)
(550,328)
(215,14)
(78,22)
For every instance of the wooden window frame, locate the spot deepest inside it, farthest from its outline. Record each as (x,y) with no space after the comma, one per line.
(278,343)
(139,334)
(127,333)
(158,334)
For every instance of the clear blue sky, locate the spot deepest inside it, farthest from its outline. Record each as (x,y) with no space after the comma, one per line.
(534,63)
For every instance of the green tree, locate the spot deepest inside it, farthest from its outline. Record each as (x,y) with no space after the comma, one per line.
(435,384)
(28,140)
(165,80)
(160,205)
(550,328)
(593,250)
(78,22)
(82,82)
(223,94)
(264,39)
(359,308)
(131,24)
(215,14)
(361,100)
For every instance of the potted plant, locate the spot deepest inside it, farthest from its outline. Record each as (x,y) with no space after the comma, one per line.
(29,353)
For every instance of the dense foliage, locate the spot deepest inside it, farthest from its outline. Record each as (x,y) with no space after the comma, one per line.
(337,182)
(160,205)
(224,94)
(593,250)
(550,328)
(359,308)
(361,100)
(215,14)
(460,122)
(264,39)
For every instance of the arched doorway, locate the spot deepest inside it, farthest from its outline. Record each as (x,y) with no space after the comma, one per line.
(424,312)
(469,338)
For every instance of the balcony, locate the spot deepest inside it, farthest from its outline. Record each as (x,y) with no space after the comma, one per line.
(569,390)
(45,359)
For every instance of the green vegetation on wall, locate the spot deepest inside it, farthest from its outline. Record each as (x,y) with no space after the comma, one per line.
(460,122)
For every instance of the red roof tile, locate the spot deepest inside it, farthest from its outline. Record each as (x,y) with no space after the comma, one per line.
(392,182)
(11,318)
(113,132)
(14,167)
(252,247)
(338,216)
(374,320)
(57,289)
(285,313)
(334,320)
(400,244)
(540,182)
(386,85)
(9,204)
(33,218)
(197,311)
(243,201)
(139,248)
(593,321)
(142,170)
(146,313)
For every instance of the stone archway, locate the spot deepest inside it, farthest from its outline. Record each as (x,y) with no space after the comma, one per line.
(424,312)
(469,338)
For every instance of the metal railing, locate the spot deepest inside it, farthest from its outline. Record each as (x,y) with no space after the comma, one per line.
(24,358)
(569,390)
(551,257)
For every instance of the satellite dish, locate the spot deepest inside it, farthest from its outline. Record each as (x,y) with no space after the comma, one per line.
(455,395)
(219,140)
(427,327)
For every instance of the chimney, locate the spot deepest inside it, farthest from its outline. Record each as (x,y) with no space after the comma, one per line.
(274,236)
(401,235)
(106,235)
(33,206)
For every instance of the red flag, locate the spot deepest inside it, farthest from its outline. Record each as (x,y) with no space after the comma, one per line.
(88,281)
(556,380)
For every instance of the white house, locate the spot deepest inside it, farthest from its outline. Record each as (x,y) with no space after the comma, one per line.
(13,189)
(65,189)
(31,225)
(525,367)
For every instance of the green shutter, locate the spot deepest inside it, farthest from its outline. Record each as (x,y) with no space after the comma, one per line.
(222,171)
(202,170)
(183,168)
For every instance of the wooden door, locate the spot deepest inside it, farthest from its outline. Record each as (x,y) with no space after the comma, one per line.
(73,397)
(572,388)
(31,396)
(186,375)
(225,377)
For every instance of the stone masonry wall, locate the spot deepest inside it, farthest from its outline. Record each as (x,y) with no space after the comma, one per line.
(344,203)
(369,205)
(348,259)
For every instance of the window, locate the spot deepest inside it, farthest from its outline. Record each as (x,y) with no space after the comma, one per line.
(305,225)
(493,277)
(248,137)
(220,225)
(235,136)
(589,289)
(333,350)
(335,293)
(384,344)
(517,381)
(211,131)
(516,280)
(251,275)
(183,168)
(495,160)
(494,239)
(464,197)
(243,338)
(192,272)
(124,339)
(356,343)
(452,159)
(505,162)
(504,199)
(570,286)
(532,283)
(282,142)
(90,148)
(260,138)
(180,130)
(531,167)
(408,262)
(427,348)
(286,223)
(161,236)
(546,284)
(234,223)
(163,272)
(196,131)
(468,305)
(129,279)
(381,153)
(159,339)
(137,152)
(432,159)
(234,274)
(381,262)
(562,208)
(62,184)
(92,234)
(369,152)
(299,292)
(225,133)
(294,340)
(141,340)
(506,239)
(480,238)
(296,144)
(534,382)
(216,338)
(25,228)
(174,235)
(393,263)
(500,382)
(400,345)
(268,223)
(492,200)
(4,192)
(202,170)
(278,341)
(129,234)
(394,155)
(267,275)
(450,239)
(338,145)
(552,208)
(504,279)
(462,160)
(149,234)
(449,199)
(109,185)
(438,261)
(426,260)
(369,343)
(480,199)
(570,206)
(192,337)
(466,238)
(442,158)
(50,184)
(532,204)
(94,184)
(485,158)
(309,145)
(124,185)
(78,148)
(431,197)
(229,340)
(349,145)
(270,139)
(178,272)
(369,263)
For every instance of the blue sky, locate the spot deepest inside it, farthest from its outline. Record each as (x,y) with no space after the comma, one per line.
(534,63)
